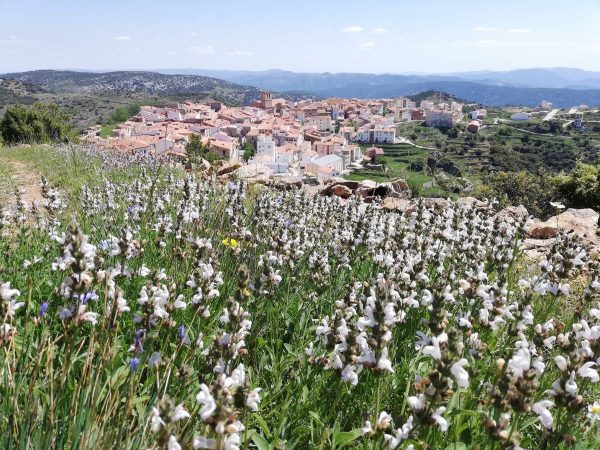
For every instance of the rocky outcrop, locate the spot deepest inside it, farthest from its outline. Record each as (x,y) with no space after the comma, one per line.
(581,222)
(472,202)
(368,189)
(286,183)
(228,168)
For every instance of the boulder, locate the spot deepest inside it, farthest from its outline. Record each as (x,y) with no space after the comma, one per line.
(342,191)
(228,168)
(330,188)
(287,183)
(395,204)
(472,202)
(582,222)
(512,213)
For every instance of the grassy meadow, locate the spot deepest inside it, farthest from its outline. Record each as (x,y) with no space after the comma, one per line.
(146,307)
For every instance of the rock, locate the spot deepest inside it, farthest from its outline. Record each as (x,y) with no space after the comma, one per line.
(395,204)
(342,191)
(472,202)
(512,213)
(228,168)
(535,249)
(286,183)
(400,185)
(383,190)
(582,222)
(438,204)
(350,185)
(367,184)
(539,230)
(204,165)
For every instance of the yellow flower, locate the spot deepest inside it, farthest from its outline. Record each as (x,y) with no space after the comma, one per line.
(230,242)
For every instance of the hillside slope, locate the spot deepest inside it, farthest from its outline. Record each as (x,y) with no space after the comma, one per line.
(140,82)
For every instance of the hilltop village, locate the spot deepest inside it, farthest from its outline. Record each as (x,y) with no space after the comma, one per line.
(320,139)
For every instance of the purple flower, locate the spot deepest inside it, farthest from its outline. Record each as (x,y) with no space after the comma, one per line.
(181,331)
(137,341)
(134,363)
(84,298)
(43,309)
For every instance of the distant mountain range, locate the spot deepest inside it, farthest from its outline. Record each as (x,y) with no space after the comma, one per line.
(528,87)
(563,86)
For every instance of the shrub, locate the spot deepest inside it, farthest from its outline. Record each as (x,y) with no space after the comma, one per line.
(39,123)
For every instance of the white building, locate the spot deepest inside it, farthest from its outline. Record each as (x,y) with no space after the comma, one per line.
(325,167)
(442,119)
(375,135)
(320,122)
(265,146)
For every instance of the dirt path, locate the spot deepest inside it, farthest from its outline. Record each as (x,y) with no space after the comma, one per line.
(22,177)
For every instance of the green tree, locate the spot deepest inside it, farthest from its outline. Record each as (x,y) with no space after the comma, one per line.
(534,191)
(195,148)
(248,151)
(580,188)
(37,124)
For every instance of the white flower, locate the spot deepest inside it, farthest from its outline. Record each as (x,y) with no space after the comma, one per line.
(459,373)
(367,428)
(439,419)
(154,360)
(520,362)
(594,411)
(541,408)
(203,442)
(586,371)
(232,442)
(570,385)
(417,402)
(384,363)
(207,401)
(384,420)
(434,349)
(156,422)
(349,375)
(253,399)
(557,205)
(173,444)
(179,413)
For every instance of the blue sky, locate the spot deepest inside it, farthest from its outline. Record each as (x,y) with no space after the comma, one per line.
(394,36)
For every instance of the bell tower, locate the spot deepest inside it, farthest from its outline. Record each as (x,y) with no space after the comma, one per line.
(266,101)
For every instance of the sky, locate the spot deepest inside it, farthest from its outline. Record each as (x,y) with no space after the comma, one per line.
(377,36)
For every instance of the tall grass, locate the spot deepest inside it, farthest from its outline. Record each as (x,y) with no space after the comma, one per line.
(140,287)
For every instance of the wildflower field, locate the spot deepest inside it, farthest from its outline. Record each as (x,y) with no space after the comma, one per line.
(145,307)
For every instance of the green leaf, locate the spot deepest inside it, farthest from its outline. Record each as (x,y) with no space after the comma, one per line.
(260,441)
(263,425)
(456,446)
(345,437)
(315,416)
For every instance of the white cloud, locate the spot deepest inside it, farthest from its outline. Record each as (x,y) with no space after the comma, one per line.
(122,38)
(486,29)
(352,29)
(379,31)
(486,43)
(240,53)
(520,30)
(202,49)
(367,45)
